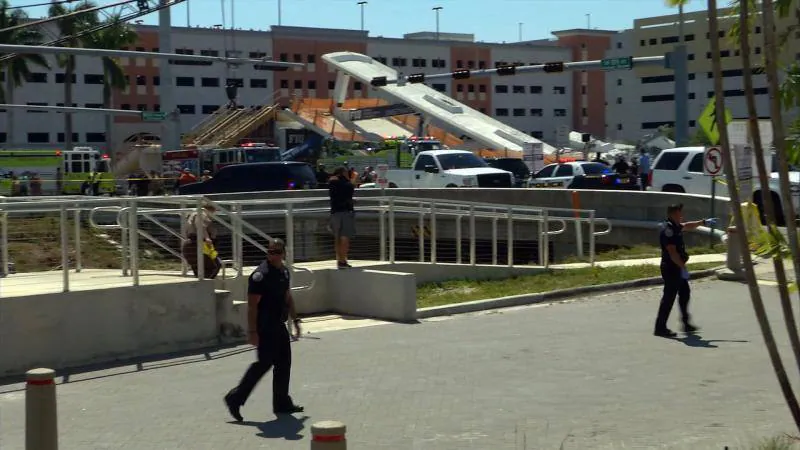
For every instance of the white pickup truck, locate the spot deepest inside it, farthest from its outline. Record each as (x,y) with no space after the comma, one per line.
(449,168)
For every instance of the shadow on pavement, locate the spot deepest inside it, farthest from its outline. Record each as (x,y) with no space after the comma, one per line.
(695,340)
(284,426)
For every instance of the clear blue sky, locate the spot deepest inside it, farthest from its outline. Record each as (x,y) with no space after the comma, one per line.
(488,20)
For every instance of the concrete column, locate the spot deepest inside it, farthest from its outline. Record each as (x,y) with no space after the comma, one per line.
(340,88)
(680,66)
(328,435)
(170,133)
(41,424)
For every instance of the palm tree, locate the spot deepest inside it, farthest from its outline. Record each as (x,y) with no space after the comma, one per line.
(118,35)
(744,28)
(741,237)
(16,69)
(70,26)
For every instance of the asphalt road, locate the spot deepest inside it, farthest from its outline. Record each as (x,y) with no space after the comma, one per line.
(587,373)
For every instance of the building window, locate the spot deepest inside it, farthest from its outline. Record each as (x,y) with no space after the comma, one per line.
(688,37)
(692,124)
(518,89)
(459,88)
(311,59)
(619,127)
(186,109)
(459,64)
(619,81)
(558,112)
(331,85)
(284,84)
(125,106)
(691,95)
(537,134)
(95,137)
(298,58)
(209,109)
(501,89)
(298,84)
(658,79)
(583,90)
(284,57)
(92,79)
(36,110)
(357,86)
(471,88)
(157,107)
(559,90)
(658,98)
(209,52)
(691,77)
(653,41)
(439,87)
(619,45)
(536,112)
(238,82)
(399,62)
(258,55)
(184,81)
(94,105)
(482,88)
(156,81)
(312,84)
(642,43)
(141,107)
(61,77)
(141,80)
(536,89)
(519,112)
(61,137)
(584,112)
(619,100)
(39,138)
(419,62)
(482,110)
(209,82)
(36,77)
(501,112)
(258,83)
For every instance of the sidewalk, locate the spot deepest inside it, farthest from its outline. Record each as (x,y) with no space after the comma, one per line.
(720,258)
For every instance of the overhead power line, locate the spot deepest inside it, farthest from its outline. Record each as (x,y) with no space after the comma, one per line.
(100,27)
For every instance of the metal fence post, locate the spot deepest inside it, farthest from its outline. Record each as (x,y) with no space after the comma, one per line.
(458,235)
(239,240)
(591,237)
(544,243)
(124,242)
(78,262)
(4,243)
(510,238)
(290,234)
(184,215)
(494,238)
(133,227)
(382,229)
(472,235)
(579,235)
(433,232)
(391,230)
(421,233)
(64,247)
(200,233)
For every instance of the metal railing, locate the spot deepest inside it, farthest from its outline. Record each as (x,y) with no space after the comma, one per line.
(391,229)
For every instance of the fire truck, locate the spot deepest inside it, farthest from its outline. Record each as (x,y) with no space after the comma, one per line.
(199,160)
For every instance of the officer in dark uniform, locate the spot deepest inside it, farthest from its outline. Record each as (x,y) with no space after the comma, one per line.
(673,269)
(269,306)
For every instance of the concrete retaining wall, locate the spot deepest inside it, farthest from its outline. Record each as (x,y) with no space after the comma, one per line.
(85,327)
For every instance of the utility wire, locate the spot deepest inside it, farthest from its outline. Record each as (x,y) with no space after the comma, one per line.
(100,27)
(74,13)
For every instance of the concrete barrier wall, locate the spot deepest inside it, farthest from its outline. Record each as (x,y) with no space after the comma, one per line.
(374,293)
(85,327)
(429,273)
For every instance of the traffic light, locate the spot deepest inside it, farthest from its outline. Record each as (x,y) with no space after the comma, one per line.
(506,70)
(553,67)
(378,81)
(461,74)
(416,78)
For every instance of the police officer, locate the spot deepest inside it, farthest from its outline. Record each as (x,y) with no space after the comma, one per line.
(673,269)
(269,306)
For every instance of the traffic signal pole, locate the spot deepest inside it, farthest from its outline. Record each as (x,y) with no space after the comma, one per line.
(170,128)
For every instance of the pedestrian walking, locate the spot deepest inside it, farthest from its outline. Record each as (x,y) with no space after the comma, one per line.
(269,306)
(343,222)
(644,169)
(674,271)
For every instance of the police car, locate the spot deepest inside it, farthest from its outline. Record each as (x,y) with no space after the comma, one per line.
(582,175)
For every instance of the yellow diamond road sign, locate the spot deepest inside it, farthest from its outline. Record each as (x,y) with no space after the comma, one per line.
(708,121)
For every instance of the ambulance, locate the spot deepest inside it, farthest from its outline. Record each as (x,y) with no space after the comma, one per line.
(60,172)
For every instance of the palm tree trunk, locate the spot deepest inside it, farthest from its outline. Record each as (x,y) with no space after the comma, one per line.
(10,122)
(778,132)
(741,237)
(68,73)
(766,199)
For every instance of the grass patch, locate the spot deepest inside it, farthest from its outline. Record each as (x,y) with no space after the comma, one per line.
(646,251)
(35,246)
(459,291)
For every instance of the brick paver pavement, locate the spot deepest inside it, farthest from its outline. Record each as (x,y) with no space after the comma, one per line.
(587,373)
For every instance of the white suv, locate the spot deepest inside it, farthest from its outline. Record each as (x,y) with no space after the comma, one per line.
(681,170)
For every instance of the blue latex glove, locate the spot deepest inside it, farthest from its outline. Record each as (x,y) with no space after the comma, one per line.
(710,221)
(684,274)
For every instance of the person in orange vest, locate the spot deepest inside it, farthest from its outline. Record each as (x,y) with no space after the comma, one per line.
(187,177)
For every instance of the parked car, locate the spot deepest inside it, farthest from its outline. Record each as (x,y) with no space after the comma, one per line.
(448,168)
(254,177)
(516,166)
(582,175)
(681,170)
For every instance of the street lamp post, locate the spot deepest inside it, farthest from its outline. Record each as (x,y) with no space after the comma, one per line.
(361,4)
(520,32)
(279,12)
(437,9)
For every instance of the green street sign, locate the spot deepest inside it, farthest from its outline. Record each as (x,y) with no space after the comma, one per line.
(623,63)
(153,116)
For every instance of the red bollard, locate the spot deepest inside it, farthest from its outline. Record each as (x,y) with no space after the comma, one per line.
(41,416)
(328,435)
